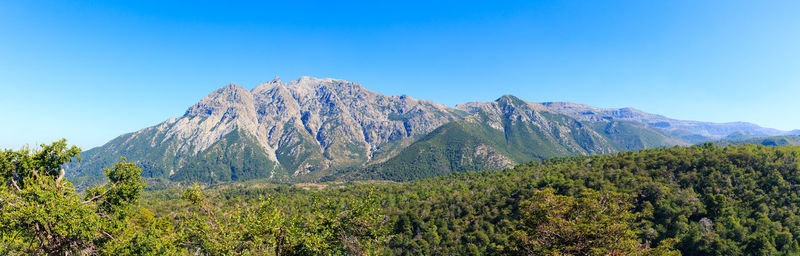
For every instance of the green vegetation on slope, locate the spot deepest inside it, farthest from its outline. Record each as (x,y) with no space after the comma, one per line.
(766,141)
(437,154)
(41,214)
(461,146)
(699,200)
(714,200)
(628,136)
(236,156)
(703,200)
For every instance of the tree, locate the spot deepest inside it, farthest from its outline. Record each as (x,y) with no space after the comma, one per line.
(40,212)
(594,223)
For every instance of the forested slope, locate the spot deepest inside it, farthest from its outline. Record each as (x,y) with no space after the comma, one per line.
(709,200)
(699,200)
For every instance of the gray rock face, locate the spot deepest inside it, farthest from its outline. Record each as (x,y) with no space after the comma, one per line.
(306,127)
(221,112)
(344,123)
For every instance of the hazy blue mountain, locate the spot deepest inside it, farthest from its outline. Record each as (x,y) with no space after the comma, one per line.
(694,131)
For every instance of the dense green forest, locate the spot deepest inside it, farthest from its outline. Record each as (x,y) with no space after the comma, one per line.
(699,200)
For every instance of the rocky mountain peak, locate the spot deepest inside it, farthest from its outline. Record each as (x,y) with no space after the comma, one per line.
(311,123)
(511,103)
(507,103)
(508,98)
(222,99)
(307,81)
(231,90)
(471,107)
(276,80)
(306,86)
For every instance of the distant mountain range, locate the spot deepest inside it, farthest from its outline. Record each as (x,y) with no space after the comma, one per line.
(313,129)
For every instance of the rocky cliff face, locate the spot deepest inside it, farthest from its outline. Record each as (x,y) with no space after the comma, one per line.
(221,112)
(326,123)
(305,127)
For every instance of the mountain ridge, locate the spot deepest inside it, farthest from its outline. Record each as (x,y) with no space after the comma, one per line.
(709,130)
(506,132)
(305,126)
(311,128)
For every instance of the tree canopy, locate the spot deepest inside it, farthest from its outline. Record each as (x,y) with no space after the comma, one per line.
(699,200)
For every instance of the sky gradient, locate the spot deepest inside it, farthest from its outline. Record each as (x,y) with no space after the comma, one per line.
(89,71)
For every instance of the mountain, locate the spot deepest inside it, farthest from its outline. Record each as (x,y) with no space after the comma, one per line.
(293,131)
(692,131)
(508,131)
(313,129)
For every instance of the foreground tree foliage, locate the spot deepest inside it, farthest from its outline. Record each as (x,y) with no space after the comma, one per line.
(701,200)
(313,225)
(593,224)
(41,214)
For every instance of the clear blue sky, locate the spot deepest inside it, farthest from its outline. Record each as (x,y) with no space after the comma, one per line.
(92,70)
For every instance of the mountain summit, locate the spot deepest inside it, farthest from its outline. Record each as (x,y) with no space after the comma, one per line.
(309,129)
(297,130)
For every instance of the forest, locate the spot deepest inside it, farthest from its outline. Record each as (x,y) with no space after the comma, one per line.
(697,200)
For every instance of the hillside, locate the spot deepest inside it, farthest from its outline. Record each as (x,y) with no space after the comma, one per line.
(766,141)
